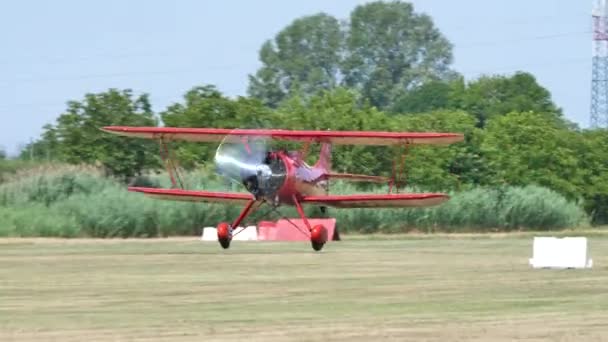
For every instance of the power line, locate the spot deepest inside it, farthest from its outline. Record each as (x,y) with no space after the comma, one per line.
(108,56)
(519,40)
(550,64)
(123,74)
(515,22)
(234,66)
(159,53)
(95,57)
(94,76)
(547,64)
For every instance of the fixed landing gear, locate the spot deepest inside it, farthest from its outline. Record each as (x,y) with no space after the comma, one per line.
(224,234)
(224,229)
(318,233)
(318,237)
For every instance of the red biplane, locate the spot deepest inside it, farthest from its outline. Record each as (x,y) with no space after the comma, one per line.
(279,177)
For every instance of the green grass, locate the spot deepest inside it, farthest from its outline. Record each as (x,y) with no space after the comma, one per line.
(390,288)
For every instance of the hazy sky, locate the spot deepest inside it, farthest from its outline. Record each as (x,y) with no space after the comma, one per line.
(56,51)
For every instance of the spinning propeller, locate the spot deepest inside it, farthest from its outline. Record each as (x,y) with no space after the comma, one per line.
(251,162)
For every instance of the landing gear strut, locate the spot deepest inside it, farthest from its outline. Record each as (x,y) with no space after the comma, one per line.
(318,233)
(224,229)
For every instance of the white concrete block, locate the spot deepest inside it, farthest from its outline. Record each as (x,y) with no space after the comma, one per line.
(209,234)
(568,252)
(249,233)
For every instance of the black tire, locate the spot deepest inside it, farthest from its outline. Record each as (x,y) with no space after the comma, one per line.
(317,246)
(225,243)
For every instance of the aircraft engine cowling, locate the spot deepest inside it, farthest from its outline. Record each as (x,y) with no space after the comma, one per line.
(269,178)
(250,162)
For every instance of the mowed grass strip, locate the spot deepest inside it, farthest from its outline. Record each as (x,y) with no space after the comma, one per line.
(400,289)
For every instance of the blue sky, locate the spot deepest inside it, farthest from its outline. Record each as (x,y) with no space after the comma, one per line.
(56,51)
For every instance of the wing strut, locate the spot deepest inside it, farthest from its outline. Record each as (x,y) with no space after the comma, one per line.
(172,168)
(304,150)
(399,177)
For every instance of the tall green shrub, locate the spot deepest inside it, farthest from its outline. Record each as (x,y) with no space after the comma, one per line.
(80,201)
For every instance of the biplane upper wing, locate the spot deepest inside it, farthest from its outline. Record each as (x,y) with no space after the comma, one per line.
(195,195)
(378,200)
(334,137)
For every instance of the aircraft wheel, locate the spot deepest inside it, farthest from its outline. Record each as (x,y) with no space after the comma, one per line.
(317,246)
(318,237)
(224,234)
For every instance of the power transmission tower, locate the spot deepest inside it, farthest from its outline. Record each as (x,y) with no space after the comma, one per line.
(599,73)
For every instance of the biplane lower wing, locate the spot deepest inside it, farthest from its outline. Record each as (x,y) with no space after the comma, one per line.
(336,201)
(378,201)
(334,137)
(195,195)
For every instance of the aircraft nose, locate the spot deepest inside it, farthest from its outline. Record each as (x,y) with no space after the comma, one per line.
(263,175)
(257,181)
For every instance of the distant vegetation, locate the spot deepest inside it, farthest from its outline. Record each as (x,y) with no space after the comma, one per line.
(387,68)
(72,201)
(10,167)
(518,148)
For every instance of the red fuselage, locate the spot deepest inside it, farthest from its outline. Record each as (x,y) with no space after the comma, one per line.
(301,179)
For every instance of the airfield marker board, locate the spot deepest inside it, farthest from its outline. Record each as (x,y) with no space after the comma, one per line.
(552,252)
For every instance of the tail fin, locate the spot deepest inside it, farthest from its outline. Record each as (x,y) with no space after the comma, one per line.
(325,157)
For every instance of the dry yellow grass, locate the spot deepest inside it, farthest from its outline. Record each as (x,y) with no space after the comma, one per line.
(397,289)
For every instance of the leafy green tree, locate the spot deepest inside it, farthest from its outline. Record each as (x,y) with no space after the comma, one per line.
(485,97)
(43,149)
(534,148)
(593,152)
(489,96)
(425,98)
(529,148)
(305,56)
(2,154)
(76,136)
(443,168)
(205,106)
(390,49)
(385,49)
(337,109)
(438,168)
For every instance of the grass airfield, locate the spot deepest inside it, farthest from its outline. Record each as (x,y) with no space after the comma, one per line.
(391,288)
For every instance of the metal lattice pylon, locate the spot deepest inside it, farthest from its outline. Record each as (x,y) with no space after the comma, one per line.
(599,73)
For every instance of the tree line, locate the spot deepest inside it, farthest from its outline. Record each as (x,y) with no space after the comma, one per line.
(386,67)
